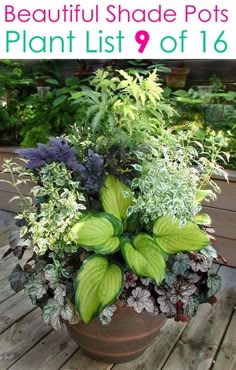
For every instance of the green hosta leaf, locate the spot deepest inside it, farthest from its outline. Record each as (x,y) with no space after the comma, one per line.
(202,194)
(116,197)
(172,238)
(117,224)
(98,232)
(144,258)
(213,283)
(202,219)
(98,283)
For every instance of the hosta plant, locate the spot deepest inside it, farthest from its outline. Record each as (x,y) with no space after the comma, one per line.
(114,215)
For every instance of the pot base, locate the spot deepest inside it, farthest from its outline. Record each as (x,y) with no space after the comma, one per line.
(127,336)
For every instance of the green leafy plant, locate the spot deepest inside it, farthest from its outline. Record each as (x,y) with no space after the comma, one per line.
(14,84)
(213,115)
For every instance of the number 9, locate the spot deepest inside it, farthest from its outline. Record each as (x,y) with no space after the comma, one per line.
(142,38)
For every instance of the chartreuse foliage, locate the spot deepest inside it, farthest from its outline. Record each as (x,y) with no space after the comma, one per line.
(172,238)
(202,219)
(116,197)
(144,257)
(98,232)
(100,281)
(98,284)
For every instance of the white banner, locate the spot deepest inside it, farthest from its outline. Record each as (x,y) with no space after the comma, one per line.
(130,29)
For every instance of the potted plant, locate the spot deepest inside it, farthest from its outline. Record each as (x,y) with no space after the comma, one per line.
(177,77)
(117,239)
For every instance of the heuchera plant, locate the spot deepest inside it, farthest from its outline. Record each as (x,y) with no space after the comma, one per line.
(114,213)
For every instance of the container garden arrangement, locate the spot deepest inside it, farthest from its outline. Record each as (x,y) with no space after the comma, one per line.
(118,243)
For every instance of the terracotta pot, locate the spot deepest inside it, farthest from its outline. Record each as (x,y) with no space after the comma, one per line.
(177,77)
(127,336)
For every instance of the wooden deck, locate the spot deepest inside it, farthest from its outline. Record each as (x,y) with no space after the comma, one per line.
(26,343)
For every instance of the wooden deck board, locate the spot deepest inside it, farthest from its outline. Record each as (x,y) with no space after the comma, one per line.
(49,354)
(21,337)
(201,338)
(5,289)
(80,361)
(226,358)
(158,352)
(26,343)
(13,309)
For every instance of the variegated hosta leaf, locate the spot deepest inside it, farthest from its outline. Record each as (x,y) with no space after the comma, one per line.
(172,238)
(144,258)
(98,232)
(202,219)
(116,197)
(98,283)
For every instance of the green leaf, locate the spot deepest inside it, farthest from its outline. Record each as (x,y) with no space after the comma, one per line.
(98,232)
(144,258)
(190,308)
(52,81)
(98,284)
(51,313)
(202,219)
(52,275)
(18,278)
(209,252)
(116,197)
(213,283)
(35,287)
(181,263)
(172,238)
(59,100)
(202,194)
